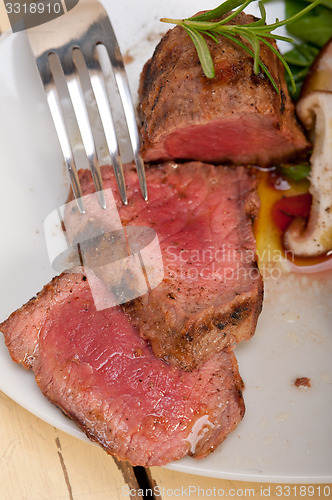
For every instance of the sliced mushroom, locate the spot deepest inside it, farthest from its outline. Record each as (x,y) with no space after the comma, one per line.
(320,73)
(315,112)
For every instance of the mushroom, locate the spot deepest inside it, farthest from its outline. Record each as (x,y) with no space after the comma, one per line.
(315,238)
(320,73)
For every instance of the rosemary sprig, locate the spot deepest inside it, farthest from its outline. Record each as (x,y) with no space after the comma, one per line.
(254,33)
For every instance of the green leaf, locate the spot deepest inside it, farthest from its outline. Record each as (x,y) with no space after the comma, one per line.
(295,172)
(219,11)
(202,51)
(295,15)
(211,35)
(262,11)
(254,33)
(299,75)
(287,68)
(315,27)
(233,14)
(254,41)
(250,52)
(302,55)
(192,22)
(326,3)
(278,37)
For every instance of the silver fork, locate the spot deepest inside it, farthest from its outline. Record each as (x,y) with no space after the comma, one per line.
(70,67)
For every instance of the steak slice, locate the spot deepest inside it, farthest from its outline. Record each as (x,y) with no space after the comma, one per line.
(236,117)
(212,291)
(95,367)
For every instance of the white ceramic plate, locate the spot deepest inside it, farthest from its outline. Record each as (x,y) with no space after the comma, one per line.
(286,433)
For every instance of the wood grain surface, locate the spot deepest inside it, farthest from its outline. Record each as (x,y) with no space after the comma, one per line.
(39,462)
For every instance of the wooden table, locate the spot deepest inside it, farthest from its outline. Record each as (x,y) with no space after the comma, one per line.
(39,462)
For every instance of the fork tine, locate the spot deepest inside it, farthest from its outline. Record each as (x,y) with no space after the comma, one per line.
(53,100)
(85,28)
(125,95)
(99,89)
(76,91)
(92,80)
(113,50)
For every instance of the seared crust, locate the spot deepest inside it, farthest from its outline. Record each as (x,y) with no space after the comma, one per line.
(238,115)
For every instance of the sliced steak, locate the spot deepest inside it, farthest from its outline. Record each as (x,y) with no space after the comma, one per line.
(95,367)
(236,117)
(211,294)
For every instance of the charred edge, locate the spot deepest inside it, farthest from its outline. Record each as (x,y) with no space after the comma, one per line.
(149,73)
(237,314)
(283,100)
(220,325)
(156,99)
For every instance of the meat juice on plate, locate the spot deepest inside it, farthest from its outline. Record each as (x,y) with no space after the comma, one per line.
(273,219)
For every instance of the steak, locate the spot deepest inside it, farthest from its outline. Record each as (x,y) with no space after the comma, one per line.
(212,291)
(95,367)
(236,117)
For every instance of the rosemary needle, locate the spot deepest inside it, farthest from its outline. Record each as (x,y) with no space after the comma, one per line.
(255,33)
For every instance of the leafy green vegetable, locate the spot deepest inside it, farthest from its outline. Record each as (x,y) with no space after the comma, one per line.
(314,30)
(315,27)
(295,172)
(300,59)
(219,11)
(302,55)
(327,3)
(253,33)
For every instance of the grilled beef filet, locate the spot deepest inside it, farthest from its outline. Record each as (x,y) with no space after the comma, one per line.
(95,367)
(236,117)
(211,294)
